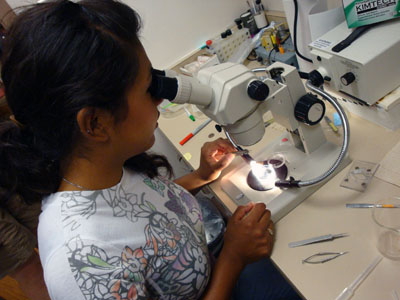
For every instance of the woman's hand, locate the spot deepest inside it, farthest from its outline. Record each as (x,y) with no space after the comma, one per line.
(215,156)
(248,237)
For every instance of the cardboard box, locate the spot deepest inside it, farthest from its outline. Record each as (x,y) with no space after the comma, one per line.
(365,12)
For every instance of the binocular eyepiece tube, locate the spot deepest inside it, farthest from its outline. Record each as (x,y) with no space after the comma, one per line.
(180,89)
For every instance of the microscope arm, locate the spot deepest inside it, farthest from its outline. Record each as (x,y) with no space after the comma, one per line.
(346,136)
(286,92)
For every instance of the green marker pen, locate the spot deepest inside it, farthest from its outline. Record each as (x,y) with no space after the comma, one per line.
(189,114)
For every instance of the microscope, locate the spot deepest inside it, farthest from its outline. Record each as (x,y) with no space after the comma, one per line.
(237,100)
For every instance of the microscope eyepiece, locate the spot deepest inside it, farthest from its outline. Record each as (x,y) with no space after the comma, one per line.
(163,87)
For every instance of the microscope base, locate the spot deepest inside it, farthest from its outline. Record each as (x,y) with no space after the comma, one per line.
(301,166)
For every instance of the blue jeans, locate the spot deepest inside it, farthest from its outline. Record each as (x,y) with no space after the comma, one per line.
(262,281)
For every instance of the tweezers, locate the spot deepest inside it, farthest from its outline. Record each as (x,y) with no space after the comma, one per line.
(330,256)
(317,239)
(241,152)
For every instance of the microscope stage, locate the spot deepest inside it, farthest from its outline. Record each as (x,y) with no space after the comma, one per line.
(300,165)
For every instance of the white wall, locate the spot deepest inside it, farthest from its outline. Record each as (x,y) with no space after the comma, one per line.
(174,28)
(277,4)
(273,5)
(334,3)
(16,3)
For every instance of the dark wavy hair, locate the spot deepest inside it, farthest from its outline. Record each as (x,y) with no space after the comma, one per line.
(58,58)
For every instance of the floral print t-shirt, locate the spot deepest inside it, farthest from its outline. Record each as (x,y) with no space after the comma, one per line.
(140,239)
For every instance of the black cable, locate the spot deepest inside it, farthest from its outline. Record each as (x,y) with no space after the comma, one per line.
(296,12)
(286,38)
(269,55)
(304,75)
(351,38)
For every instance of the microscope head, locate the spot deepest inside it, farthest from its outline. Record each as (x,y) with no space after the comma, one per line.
(237,95)
(229,94)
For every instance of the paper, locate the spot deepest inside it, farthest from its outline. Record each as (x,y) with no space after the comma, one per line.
(389,169)
(323,21)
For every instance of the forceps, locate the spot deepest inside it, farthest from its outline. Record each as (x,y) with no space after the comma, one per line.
(317,239)
(313,259)
(241,152)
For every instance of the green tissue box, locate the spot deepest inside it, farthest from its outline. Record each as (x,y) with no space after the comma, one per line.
(365,12)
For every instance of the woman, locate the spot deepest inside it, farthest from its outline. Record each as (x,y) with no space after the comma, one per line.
(78,82)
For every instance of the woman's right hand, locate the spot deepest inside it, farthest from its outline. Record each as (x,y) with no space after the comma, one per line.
(247,239)
(248,235)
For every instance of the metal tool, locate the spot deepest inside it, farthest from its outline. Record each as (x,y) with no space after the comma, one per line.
(241,152)
(368,205)
(317,239)
(329,256)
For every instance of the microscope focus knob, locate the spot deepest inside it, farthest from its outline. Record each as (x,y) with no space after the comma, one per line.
(347,78)
(258,90)
(309,109)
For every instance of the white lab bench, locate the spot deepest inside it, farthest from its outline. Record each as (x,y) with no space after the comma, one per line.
(324,212)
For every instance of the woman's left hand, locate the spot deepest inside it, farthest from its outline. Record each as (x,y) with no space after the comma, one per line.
(215,156)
